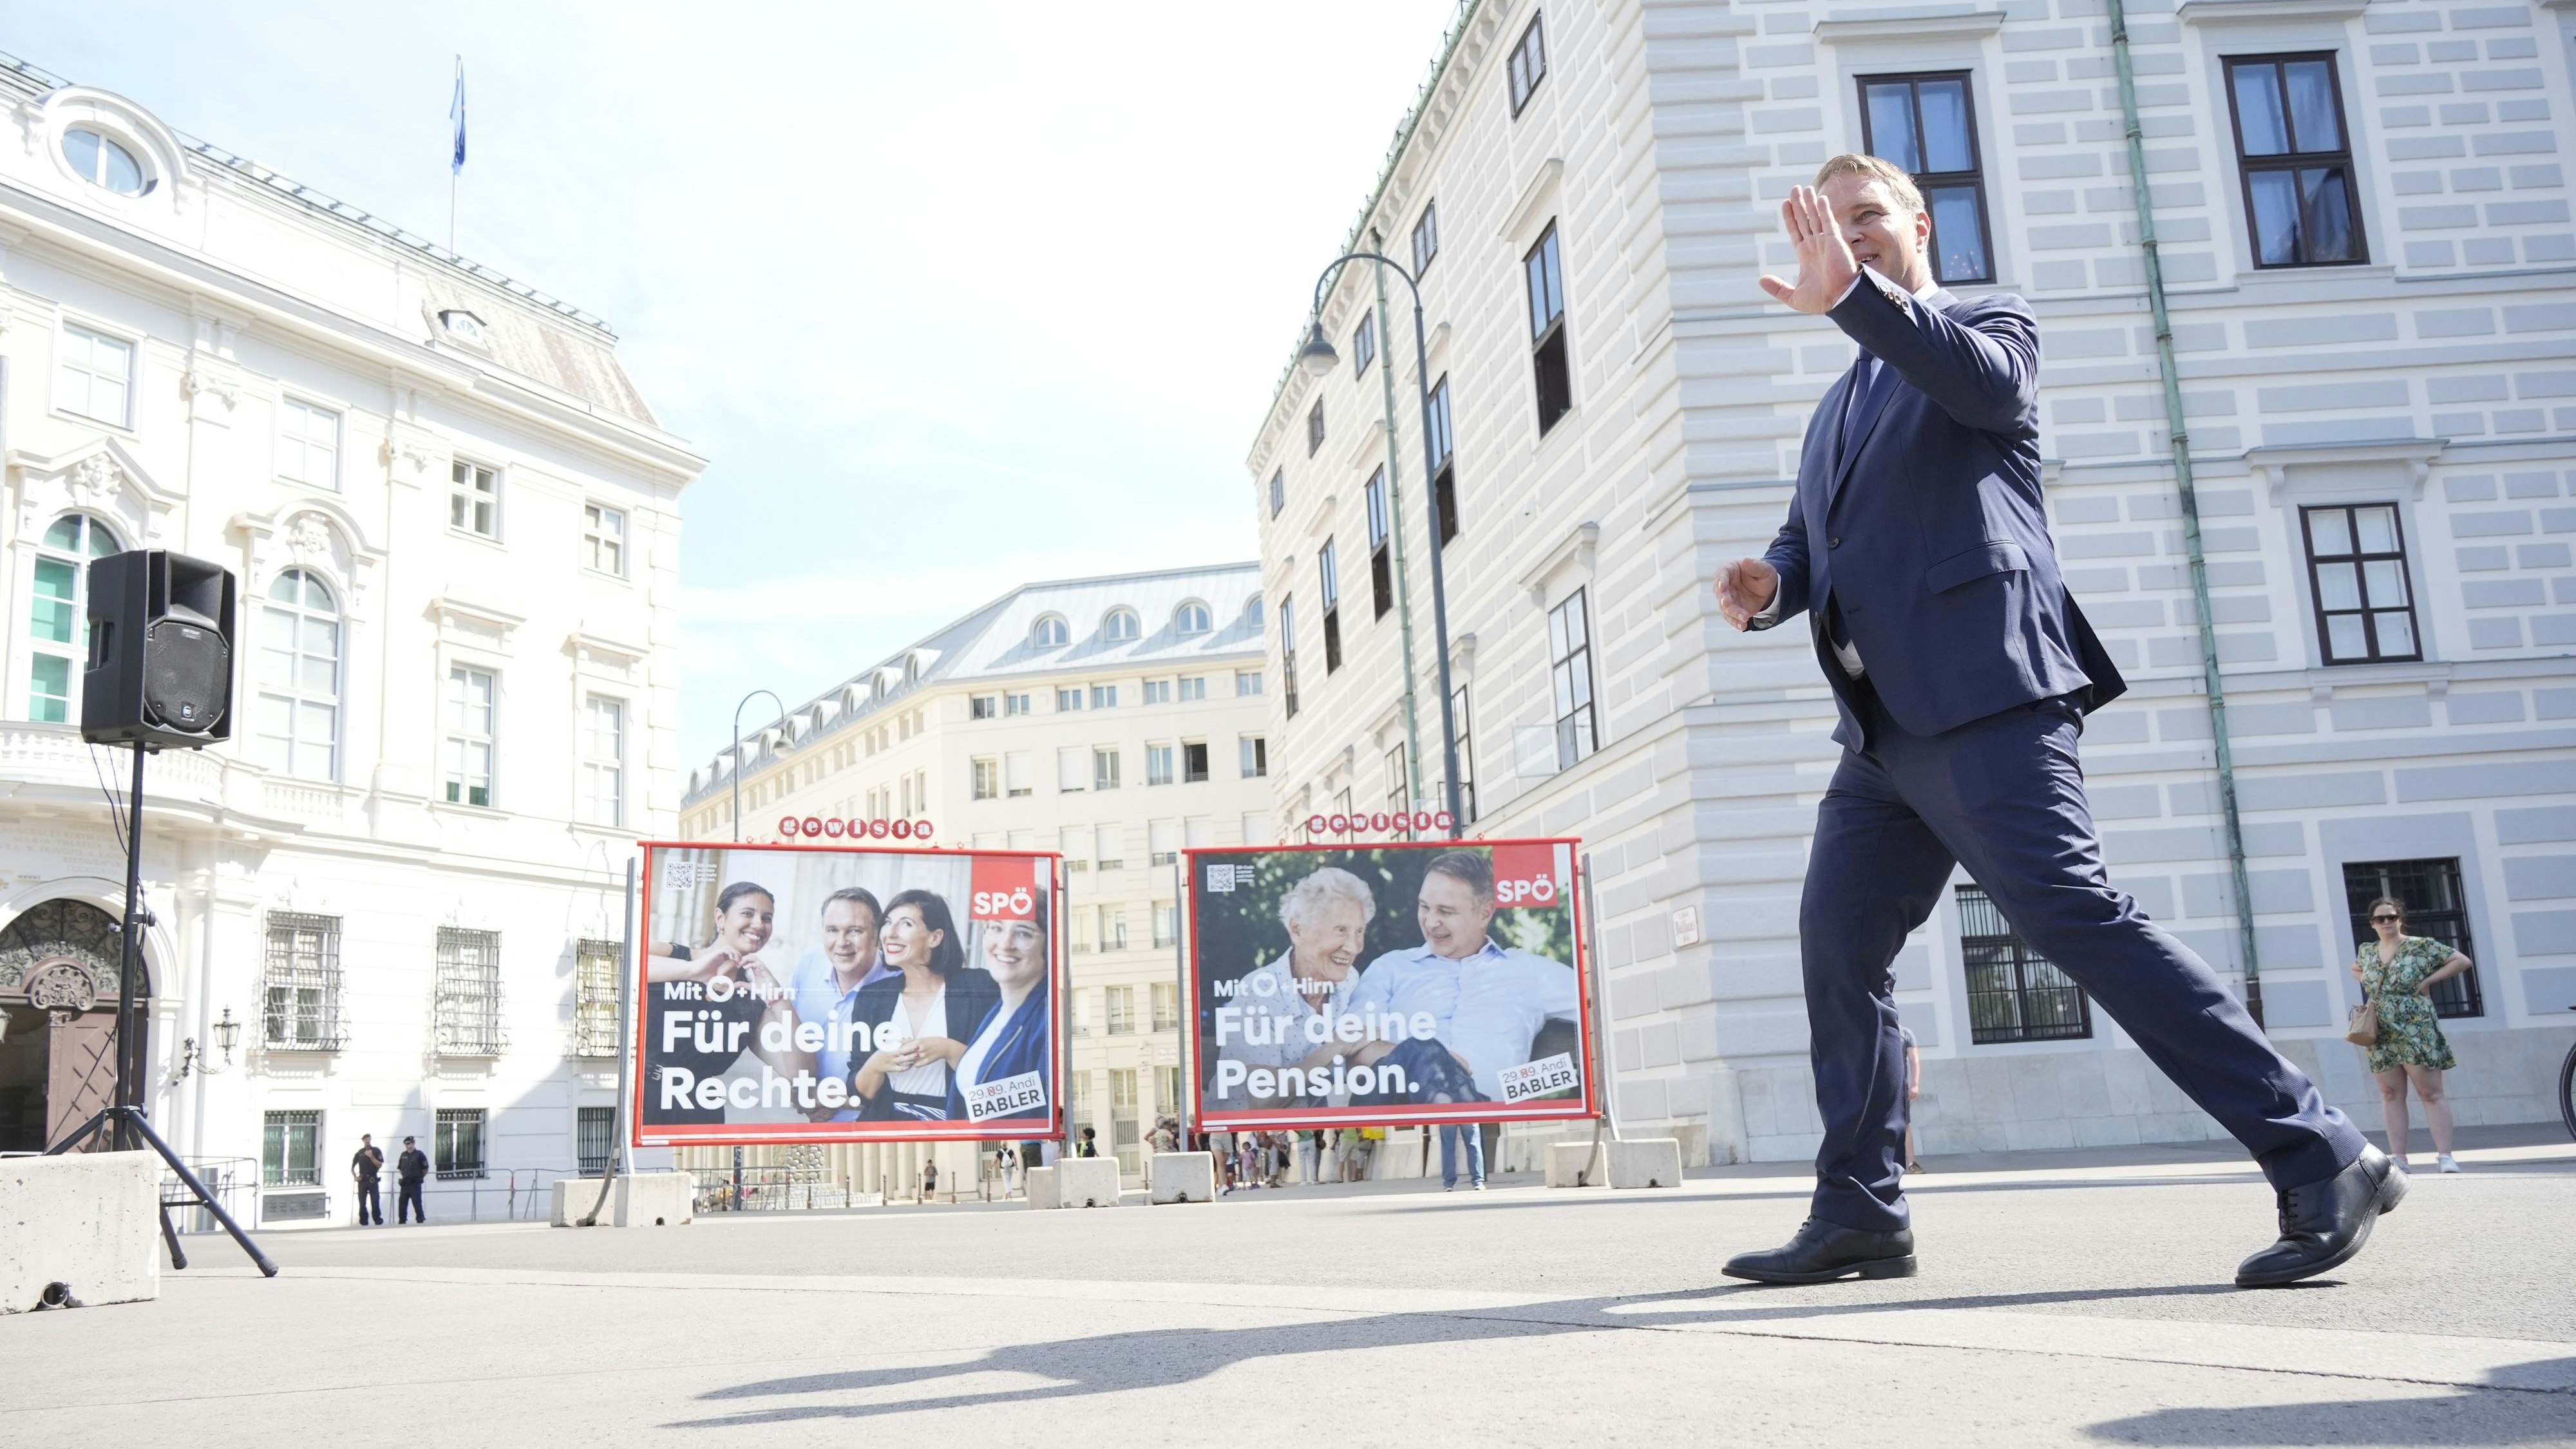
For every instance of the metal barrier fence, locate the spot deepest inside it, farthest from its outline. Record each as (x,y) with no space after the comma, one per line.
(771,1189)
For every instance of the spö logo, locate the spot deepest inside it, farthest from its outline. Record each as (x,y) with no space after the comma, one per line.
(1004,905)
(1004,889)
(1525,875)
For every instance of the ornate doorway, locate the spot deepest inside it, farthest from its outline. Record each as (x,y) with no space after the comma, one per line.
(58,977)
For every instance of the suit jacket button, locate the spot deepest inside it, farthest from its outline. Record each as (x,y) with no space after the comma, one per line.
(1834,542)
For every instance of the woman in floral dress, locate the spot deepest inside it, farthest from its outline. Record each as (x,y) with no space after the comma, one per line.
(2397,971)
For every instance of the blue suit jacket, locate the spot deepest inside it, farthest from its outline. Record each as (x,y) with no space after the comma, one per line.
(1929,533)
(1025,1045)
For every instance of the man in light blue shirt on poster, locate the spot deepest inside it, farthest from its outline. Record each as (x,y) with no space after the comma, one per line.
(827,981)
(1488,1000)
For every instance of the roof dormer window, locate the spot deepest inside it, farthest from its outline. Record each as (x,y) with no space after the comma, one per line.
(462,325)
(103,161)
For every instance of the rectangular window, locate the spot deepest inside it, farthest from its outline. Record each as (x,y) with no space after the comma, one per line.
(983,706)
(1167,1081)
(1278,492)
(308,444)
(1015,704)
(1194,761)
(594,1140)
(1426,239)
(1329,592)
(1288,654)
(1158,764)
(1569,649)
(988,779)
(1925,124)
(1546,279)
(1363,345)
(1397,798)
(1247,683)
(1113,937)
(1529,62)
(1255,755)
(290,1152)
(1018,771)
(1166,996)
(603,539)
(459,1148)
(2357,574)
(1068,769)
(1315,427)
(1126,1137)
(2295,157)
(474,499)
(1193,688)
(1122,999)
(1466,759)
(1381,547)
(2014,993)
(1162,842)
(466,1021)
(1104,696)
(1104,767)
(603,761)
(1073,842)
(595,970)
(1068,699)
(2431,895)
(96,375)
(470,698)
(303,983)
(1158,691)
(1444,477)
(1111,841)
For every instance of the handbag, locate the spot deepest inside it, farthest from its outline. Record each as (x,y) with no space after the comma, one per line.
(2363,1029)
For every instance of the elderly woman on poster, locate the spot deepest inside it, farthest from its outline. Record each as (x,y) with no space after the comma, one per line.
(1264,1024)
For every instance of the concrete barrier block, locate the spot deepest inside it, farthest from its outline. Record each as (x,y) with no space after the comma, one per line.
(1184,1177)
(645,1200)
(1572,1164)
(1041,1188)
(1087,1182)
(1645,1162)
(89,1221)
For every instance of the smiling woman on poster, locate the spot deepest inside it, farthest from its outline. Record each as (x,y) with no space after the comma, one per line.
(746,915)
(936,1000)
(1013,1040)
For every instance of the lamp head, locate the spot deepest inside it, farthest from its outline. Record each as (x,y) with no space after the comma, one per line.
(227,1032)
(1318,356)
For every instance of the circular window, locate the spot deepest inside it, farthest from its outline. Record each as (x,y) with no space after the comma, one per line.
(103,162)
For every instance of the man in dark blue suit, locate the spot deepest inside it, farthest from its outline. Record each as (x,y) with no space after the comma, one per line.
(1918,547)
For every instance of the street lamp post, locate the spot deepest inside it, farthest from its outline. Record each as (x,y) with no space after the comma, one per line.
(737,750)
(1319,359)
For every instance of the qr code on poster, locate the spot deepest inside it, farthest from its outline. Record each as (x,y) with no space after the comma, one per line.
(1221,878)
(680,874)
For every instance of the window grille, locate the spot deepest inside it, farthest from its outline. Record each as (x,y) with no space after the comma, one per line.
(595,1140)
(291,1150)
(467,1019)
(2014,993)
(459,1142)
(594,1001)
(2435,907)
(303,984)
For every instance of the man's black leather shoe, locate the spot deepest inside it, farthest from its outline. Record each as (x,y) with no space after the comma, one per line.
(2324,1223)
(1823,1252)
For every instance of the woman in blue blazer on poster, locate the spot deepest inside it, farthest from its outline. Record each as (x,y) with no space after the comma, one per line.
(1014,1038)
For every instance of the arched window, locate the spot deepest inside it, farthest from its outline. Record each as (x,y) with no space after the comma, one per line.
(1119,626)
(1192,618)
(299,678)
(57,614)
(1252,611)
(1048,632)
(102,161)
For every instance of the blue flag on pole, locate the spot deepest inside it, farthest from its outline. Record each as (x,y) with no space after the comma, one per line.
(456,113)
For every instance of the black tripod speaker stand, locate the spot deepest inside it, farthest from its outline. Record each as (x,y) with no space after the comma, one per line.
(123,1119)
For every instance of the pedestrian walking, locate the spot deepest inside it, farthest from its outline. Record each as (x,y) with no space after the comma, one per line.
(929,1181)
(1450,1135)
(365,1167)
(2397,974)
(411,1169)
(1917,543)
(1310,1157)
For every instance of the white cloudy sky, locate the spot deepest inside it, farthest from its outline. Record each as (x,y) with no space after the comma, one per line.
(952,296)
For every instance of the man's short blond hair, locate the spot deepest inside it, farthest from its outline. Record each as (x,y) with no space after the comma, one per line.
(1852,163)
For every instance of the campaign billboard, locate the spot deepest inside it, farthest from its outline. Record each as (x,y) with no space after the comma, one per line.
(822,993)
(1433,981)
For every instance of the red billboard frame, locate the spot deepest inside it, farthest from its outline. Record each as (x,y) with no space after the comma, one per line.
(730,1134)
(1587,1108)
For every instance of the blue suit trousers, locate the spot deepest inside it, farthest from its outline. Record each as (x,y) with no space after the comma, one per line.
(2004,796)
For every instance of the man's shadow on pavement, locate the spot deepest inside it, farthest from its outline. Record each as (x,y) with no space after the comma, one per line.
(2475,1416)
(1164,1358)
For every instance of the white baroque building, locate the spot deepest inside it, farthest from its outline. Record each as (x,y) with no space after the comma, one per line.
(390,904)
(2381,418)
(1118,720)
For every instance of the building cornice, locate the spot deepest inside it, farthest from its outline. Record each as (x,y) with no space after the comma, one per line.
(2244,12)
(1918,23)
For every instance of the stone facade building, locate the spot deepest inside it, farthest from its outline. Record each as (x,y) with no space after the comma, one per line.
(1118,720)
(390,904)
(2368,255)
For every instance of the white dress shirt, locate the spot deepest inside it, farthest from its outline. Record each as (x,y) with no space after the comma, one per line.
(1847,655)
